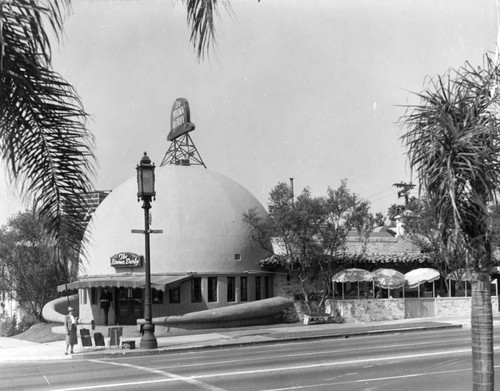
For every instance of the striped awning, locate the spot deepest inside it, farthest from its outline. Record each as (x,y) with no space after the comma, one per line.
(126,281)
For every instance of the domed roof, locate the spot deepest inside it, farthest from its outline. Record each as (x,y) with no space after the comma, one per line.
(200,213)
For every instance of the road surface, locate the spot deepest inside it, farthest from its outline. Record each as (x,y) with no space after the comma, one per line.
(431,360)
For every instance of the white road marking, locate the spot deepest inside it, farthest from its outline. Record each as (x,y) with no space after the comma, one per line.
(169,377)
(333,364)
(47,381)
(370,379)
(195,378)
(315,354)
(365,380)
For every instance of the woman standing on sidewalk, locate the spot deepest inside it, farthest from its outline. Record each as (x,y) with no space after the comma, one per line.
(70,322)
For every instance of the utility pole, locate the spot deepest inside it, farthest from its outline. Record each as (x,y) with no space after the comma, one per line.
(405,190)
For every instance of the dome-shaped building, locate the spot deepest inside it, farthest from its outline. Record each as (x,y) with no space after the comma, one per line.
(204,258)
(200,213)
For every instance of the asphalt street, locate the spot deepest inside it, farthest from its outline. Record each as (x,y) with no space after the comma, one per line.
(420,360)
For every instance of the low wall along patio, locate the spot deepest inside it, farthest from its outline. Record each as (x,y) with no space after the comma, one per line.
(373,310)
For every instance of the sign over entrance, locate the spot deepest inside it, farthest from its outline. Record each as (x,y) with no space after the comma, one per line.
(180,119)
(126,260)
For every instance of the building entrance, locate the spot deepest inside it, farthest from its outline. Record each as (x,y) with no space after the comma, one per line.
(129,305)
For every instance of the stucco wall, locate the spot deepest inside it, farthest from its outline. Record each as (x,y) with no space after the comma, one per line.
(453,306)
(369,310)
(373,310)
(200,213)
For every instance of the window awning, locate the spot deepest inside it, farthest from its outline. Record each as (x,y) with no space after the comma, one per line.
(126,281)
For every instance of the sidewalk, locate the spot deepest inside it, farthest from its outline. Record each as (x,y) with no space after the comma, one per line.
(14,350)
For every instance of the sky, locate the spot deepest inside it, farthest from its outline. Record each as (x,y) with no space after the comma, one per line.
(310,90)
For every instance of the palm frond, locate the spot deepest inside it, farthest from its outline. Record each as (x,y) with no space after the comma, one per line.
(453,142)
(200,17)
(43,136)
(29,16)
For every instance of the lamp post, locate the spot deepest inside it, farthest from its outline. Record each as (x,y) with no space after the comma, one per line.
(146,192)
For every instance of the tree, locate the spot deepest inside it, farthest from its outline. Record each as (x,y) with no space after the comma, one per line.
(440,242)
(397,210)
(379,219)
(293,226)
(305,247)
(27,263)
(43,136)
(342,213)
(309,232)
(453,143)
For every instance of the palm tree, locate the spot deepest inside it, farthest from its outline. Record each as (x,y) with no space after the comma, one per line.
(43,137)
(453,142)
(44,140)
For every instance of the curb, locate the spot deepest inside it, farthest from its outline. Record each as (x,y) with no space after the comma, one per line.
(289,339)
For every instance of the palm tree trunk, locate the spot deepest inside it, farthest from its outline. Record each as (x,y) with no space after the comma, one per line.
(482,333)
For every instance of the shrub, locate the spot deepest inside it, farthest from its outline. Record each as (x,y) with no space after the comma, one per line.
(336,317)
(289,315)
(9,325)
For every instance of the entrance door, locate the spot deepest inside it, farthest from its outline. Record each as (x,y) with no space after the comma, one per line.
(129,305)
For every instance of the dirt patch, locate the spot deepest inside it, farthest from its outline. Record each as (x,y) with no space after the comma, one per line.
(40,332)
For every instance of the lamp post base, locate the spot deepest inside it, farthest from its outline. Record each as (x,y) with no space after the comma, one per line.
(148,340)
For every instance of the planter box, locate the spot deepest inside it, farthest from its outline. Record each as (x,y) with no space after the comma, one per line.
(128,345)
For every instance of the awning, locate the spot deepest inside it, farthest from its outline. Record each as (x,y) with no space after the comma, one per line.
(418,276)
(126,281)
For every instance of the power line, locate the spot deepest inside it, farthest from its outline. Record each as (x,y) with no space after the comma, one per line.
(380,191)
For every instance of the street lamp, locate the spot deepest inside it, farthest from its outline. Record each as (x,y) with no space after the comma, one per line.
(146,192)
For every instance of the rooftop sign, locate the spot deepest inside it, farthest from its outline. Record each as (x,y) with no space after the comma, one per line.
(126,260)
(180,119)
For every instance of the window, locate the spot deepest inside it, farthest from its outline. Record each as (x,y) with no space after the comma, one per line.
(237,257)
(157,296)
(257,288)
(244,288)
(136,293)
(494,288)
(196,290)
(231,289)
(174,295)
(267,287)
(212,289)
(93,296)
